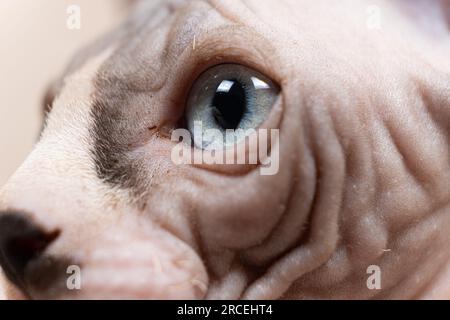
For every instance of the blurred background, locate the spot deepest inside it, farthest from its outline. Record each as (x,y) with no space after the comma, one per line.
(35,46)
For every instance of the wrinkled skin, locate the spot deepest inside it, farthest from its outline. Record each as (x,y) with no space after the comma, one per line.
(364,179)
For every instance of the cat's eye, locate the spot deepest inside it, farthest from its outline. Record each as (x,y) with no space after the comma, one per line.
(231,99)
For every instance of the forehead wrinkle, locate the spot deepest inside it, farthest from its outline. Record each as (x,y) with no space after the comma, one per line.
(190,21)
(200,16)
(234,11)
(187,23)
(178,21)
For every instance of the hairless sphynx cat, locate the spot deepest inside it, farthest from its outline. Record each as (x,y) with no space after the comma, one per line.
(359,92)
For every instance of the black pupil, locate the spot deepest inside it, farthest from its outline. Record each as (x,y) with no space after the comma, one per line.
(229,104)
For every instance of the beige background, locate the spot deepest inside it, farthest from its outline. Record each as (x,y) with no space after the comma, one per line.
(35,46)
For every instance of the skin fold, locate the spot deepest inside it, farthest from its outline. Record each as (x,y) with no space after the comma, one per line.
(364,175)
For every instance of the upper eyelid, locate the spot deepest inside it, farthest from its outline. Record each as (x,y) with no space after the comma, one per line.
(236,44)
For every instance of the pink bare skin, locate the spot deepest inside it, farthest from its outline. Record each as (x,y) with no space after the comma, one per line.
(364,176)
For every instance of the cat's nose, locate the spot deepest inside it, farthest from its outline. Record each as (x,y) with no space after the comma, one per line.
(21,241)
